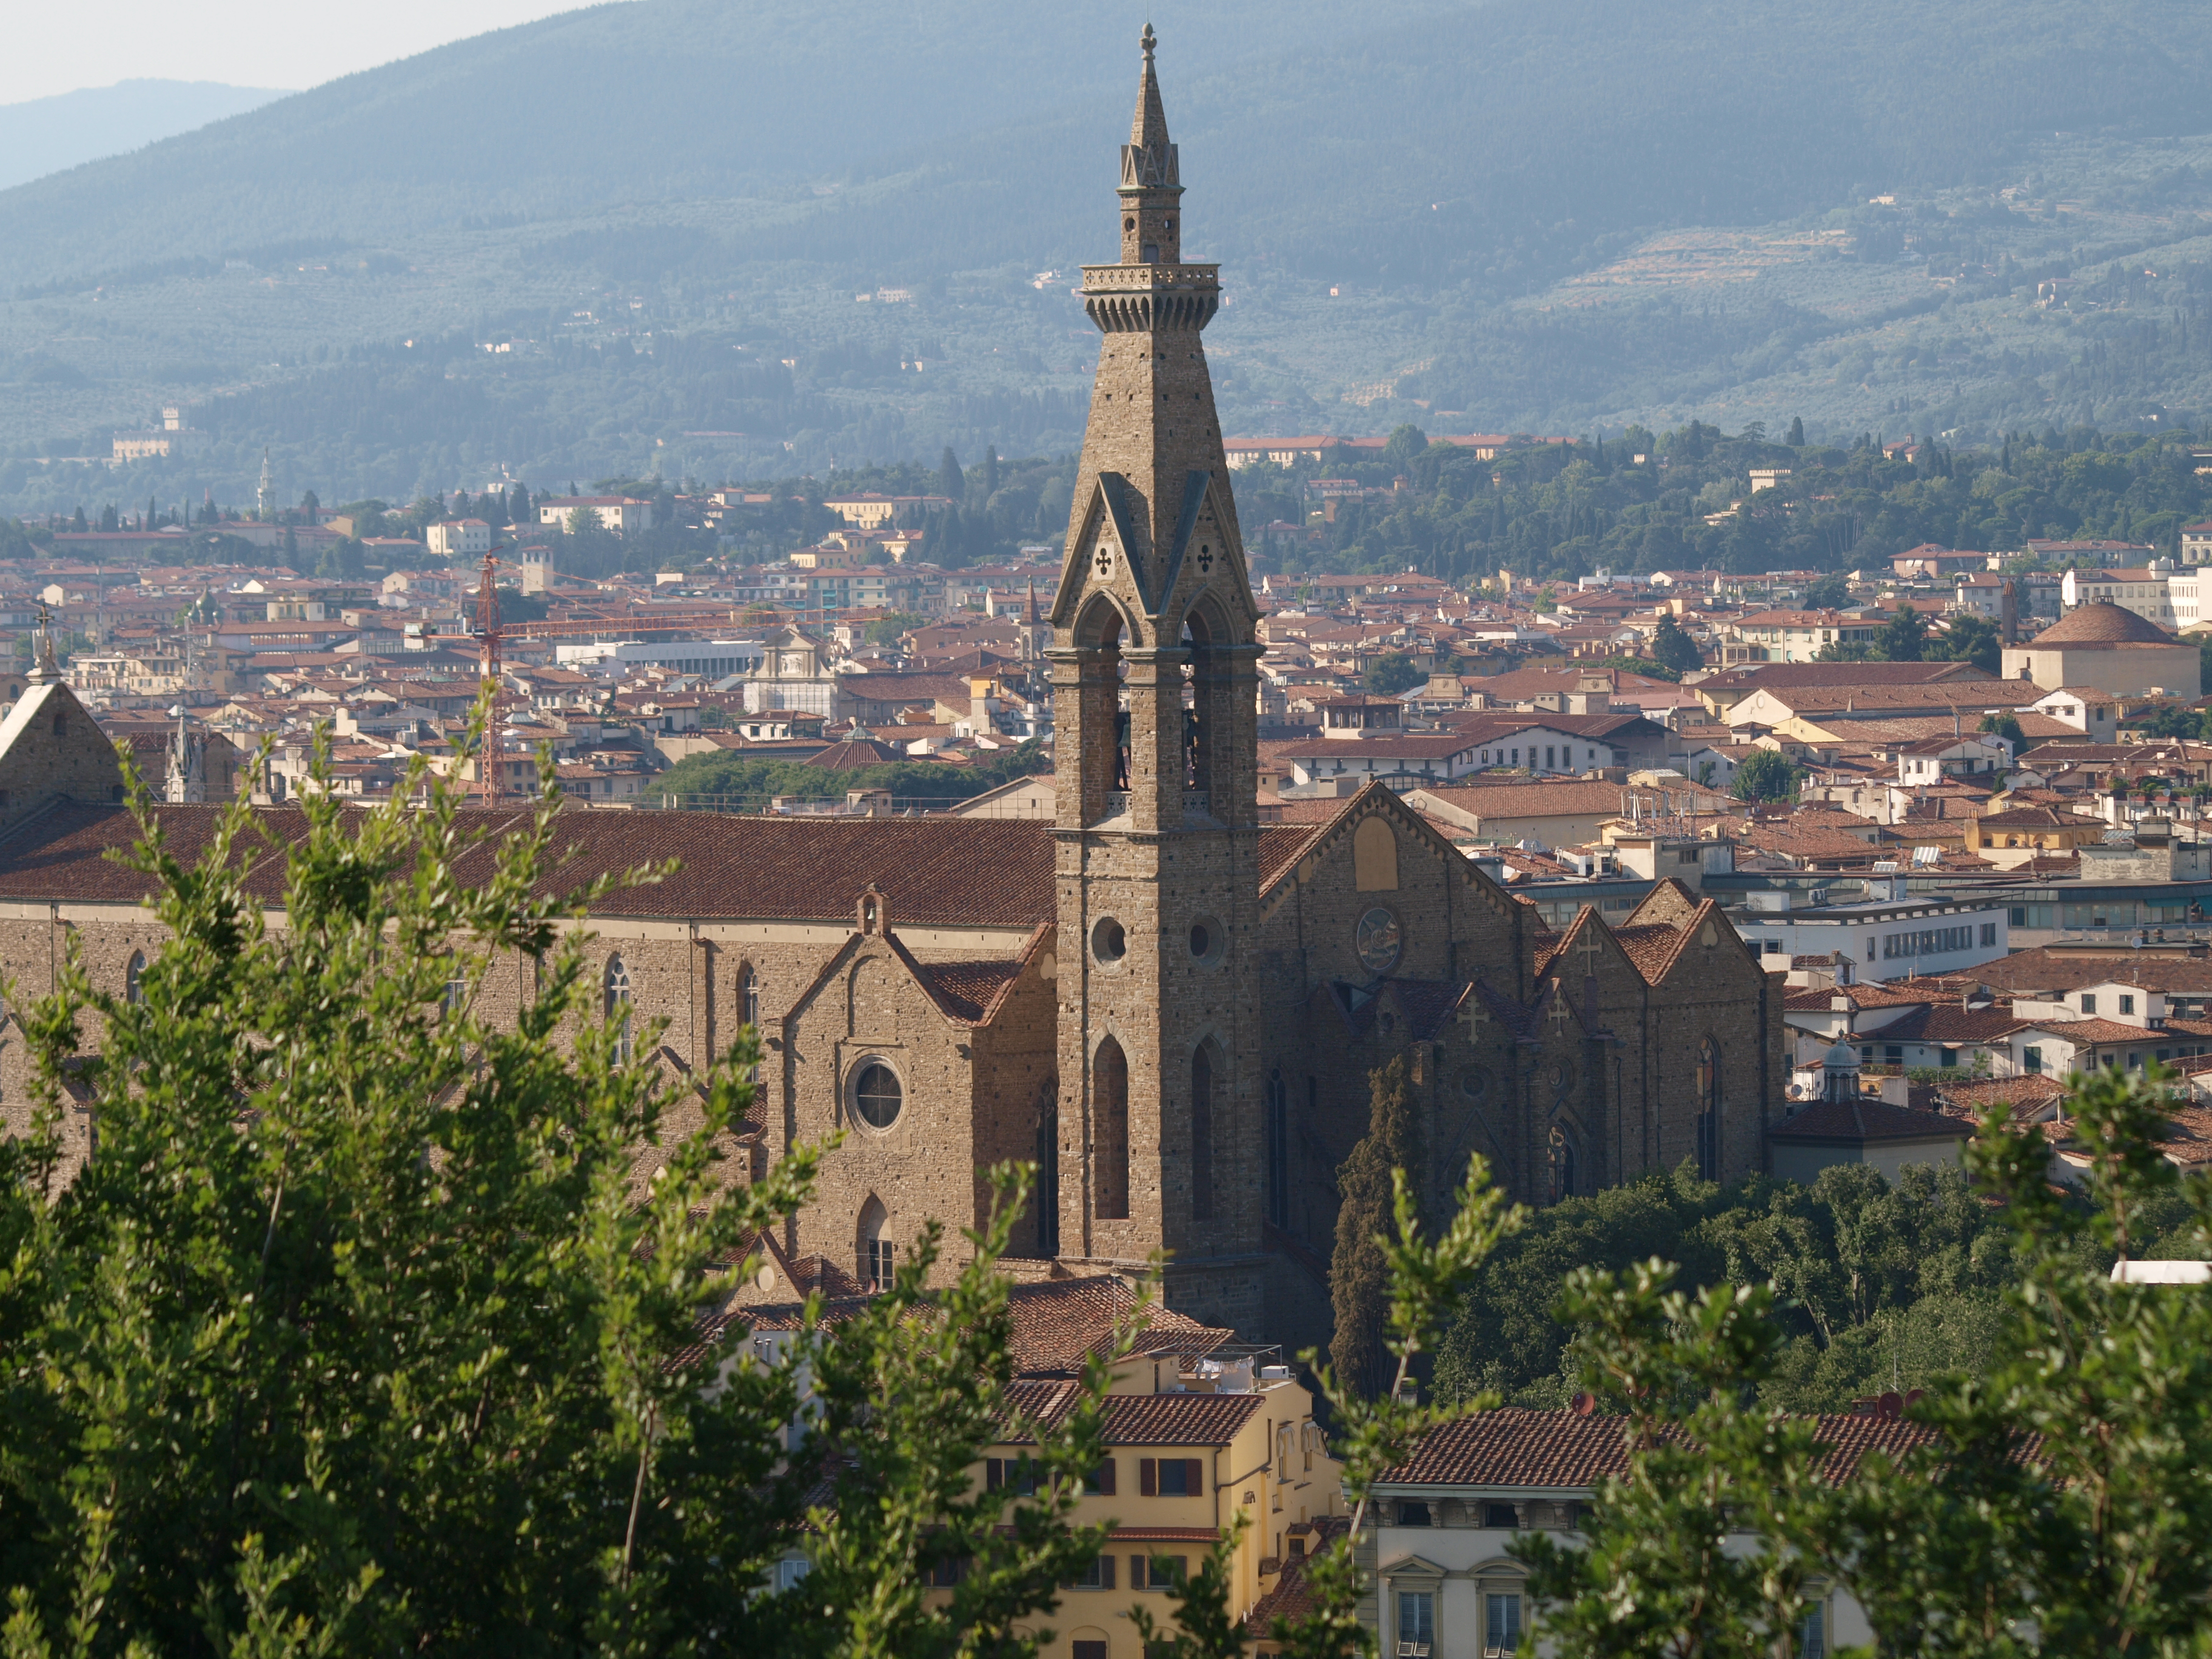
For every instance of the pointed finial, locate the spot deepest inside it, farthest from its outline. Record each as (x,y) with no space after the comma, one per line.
(43,667)
(1151,40)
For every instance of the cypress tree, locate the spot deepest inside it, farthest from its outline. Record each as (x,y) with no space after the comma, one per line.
(949,483)
(1796,432)
(1359,1278)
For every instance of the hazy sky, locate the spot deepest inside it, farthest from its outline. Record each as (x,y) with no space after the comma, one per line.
(53,48)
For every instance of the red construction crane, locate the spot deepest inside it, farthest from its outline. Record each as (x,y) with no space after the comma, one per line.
(488,647)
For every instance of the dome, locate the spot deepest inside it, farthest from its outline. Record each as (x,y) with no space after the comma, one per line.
(1841,1058)
(2101,622)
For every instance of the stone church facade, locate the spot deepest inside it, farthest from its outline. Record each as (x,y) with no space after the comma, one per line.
(1172,1009)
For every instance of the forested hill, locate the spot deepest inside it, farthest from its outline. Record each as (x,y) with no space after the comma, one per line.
(1497,141)
(630,238)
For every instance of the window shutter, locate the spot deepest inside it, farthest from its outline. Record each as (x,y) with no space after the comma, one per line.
(1148,1477)
(1106,1573)
(1137,1573)
(995,1471)
(1194,1476)
(1106,1477)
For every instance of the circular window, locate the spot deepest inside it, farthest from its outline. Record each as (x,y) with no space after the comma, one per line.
(1108,942)
(1379,941)
(876,1095)
(1209,939)
(1561,1073)
(1128,224)
(1473,1085)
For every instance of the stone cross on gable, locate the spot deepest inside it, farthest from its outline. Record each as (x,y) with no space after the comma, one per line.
(1472,1016)
(1105,562)
(1559,1011)
(1590,949)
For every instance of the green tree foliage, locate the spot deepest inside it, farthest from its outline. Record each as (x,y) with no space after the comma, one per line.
(733,780)
(1831,593)
(1767,775)
(1654,1573)
(2097,1537)
(1359,1271)
(891,627)
(1673,649)
(1373,1426)
(950,483)
(2005,726)
(1970,638)
(1883,1284)
(357,1332)
(1392,672)
(1905,636)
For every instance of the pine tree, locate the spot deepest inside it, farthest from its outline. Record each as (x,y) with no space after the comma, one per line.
(1358,1274)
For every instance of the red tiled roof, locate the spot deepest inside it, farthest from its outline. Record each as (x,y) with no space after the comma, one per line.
(1291,1597)
(1865,1119)
(1562,1450)
(1177,1420)
(2082,1033)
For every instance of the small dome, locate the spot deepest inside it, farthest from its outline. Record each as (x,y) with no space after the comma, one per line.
(1841,1058)
(2102,622)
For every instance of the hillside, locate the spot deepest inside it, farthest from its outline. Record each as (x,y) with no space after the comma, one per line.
(41,136)
(1562,215)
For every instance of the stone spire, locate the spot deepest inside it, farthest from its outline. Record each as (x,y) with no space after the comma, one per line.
(1152,181)
(1148,130)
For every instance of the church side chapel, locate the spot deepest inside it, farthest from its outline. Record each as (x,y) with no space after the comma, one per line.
(1171,1009)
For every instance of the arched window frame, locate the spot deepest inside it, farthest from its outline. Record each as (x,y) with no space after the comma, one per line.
(876,1257)
(619,1006)
(1709,1110)
(134,990)
(1110,1080)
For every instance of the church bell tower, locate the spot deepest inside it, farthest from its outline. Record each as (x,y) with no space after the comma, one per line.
(1154,665)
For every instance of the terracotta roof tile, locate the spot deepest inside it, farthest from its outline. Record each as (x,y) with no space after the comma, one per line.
(1178,1419)
(1865,1119)
(1561,1450)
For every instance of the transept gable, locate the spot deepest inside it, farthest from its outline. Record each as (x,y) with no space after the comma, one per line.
(1335,836)
(1106,555)
(1204,556)
(1669,903)
(966,993)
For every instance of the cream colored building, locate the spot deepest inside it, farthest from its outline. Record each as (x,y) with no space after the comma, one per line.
(2106,647)
(1189,1454)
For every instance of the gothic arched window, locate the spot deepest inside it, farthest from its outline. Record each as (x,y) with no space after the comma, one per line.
(877,1256)
(748,997)
(132,990)
(1109,1137)
(1202,1135)
(1046,1202)
(1565,1173)
(618,1008)
(1709,1110)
